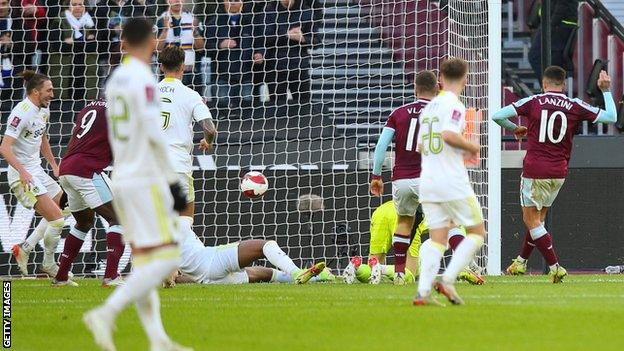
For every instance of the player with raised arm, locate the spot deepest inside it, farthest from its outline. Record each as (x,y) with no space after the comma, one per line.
(552,120)
(230,264)
(181,107)
(25,139)
(88,192)
(445,189)
(144,188)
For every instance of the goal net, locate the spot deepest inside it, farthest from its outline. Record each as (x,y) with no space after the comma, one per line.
(300,90)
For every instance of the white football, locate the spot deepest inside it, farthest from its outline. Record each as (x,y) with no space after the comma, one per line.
(254,184)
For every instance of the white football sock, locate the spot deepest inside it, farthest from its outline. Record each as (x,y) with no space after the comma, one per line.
(462,256)
(36,236)
(51,238)
(141,281)
(281,277)
(278,257)
(148,309)
(430,256)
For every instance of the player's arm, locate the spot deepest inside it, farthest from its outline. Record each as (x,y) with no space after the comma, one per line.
(376,186)
(202,115)
(6,150)
(198,39)
(46,151)
(501,118)
(609,114)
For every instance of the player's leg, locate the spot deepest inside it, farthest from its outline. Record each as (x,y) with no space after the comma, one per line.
(98,195)
(543,241)
(265,275)
(187,215)
(73,242)
(431,251)
(468,213)
(145,211)
(405,196)
(48,208)
(542,195)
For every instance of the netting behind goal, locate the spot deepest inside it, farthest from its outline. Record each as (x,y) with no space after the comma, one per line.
(305,106)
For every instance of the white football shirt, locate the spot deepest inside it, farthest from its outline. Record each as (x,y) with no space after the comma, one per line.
(181,106)
(133,115)
(444,176)
(27,124)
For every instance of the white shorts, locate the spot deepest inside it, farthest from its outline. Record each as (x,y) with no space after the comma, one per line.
(42,184)
(145,210)
(539,192)
(83,193)
(466,212)
(405,196)
(221,265)
(186,183)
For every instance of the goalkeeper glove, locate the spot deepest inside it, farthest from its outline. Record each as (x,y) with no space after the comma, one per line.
(179,197)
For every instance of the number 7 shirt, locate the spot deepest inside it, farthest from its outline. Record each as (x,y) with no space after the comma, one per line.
(88,152)
(552,120)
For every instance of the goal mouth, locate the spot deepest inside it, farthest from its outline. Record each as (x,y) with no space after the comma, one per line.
(306,113)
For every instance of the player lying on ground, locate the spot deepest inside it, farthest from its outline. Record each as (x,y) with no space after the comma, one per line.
(552,122)
(402,126)
(145,190)
(383,224)
(181,107)
(230,264)
(88,192)
(25,139)
(445,190)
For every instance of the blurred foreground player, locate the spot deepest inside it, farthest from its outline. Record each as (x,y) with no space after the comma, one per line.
(88,192)
(552,122)
(445,190)
(144,190)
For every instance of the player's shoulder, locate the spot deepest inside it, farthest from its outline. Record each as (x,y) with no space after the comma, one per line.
(24,110)
(584,106)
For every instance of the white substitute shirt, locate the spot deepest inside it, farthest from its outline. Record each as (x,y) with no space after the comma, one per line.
(444,176)
(27,123)
(133,115)
(181,106)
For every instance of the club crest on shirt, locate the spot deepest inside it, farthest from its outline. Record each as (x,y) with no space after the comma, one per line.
(456,116)
(15,122)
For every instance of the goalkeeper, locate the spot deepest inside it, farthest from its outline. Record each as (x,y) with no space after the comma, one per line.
(383,226)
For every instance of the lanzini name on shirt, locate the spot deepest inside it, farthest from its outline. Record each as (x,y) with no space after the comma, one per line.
(556,102)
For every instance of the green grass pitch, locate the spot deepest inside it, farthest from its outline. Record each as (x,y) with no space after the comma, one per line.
(508,313)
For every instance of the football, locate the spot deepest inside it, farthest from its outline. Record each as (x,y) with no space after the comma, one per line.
(254,184)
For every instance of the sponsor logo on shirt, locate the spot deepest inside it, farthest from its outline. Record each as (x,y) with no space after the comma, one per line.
(15,122)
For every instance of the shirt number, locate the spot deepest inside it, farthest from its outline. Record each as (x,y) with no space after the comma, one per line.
(547,127)
(432,142)
(411,134)
(86,123)
(119,115)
